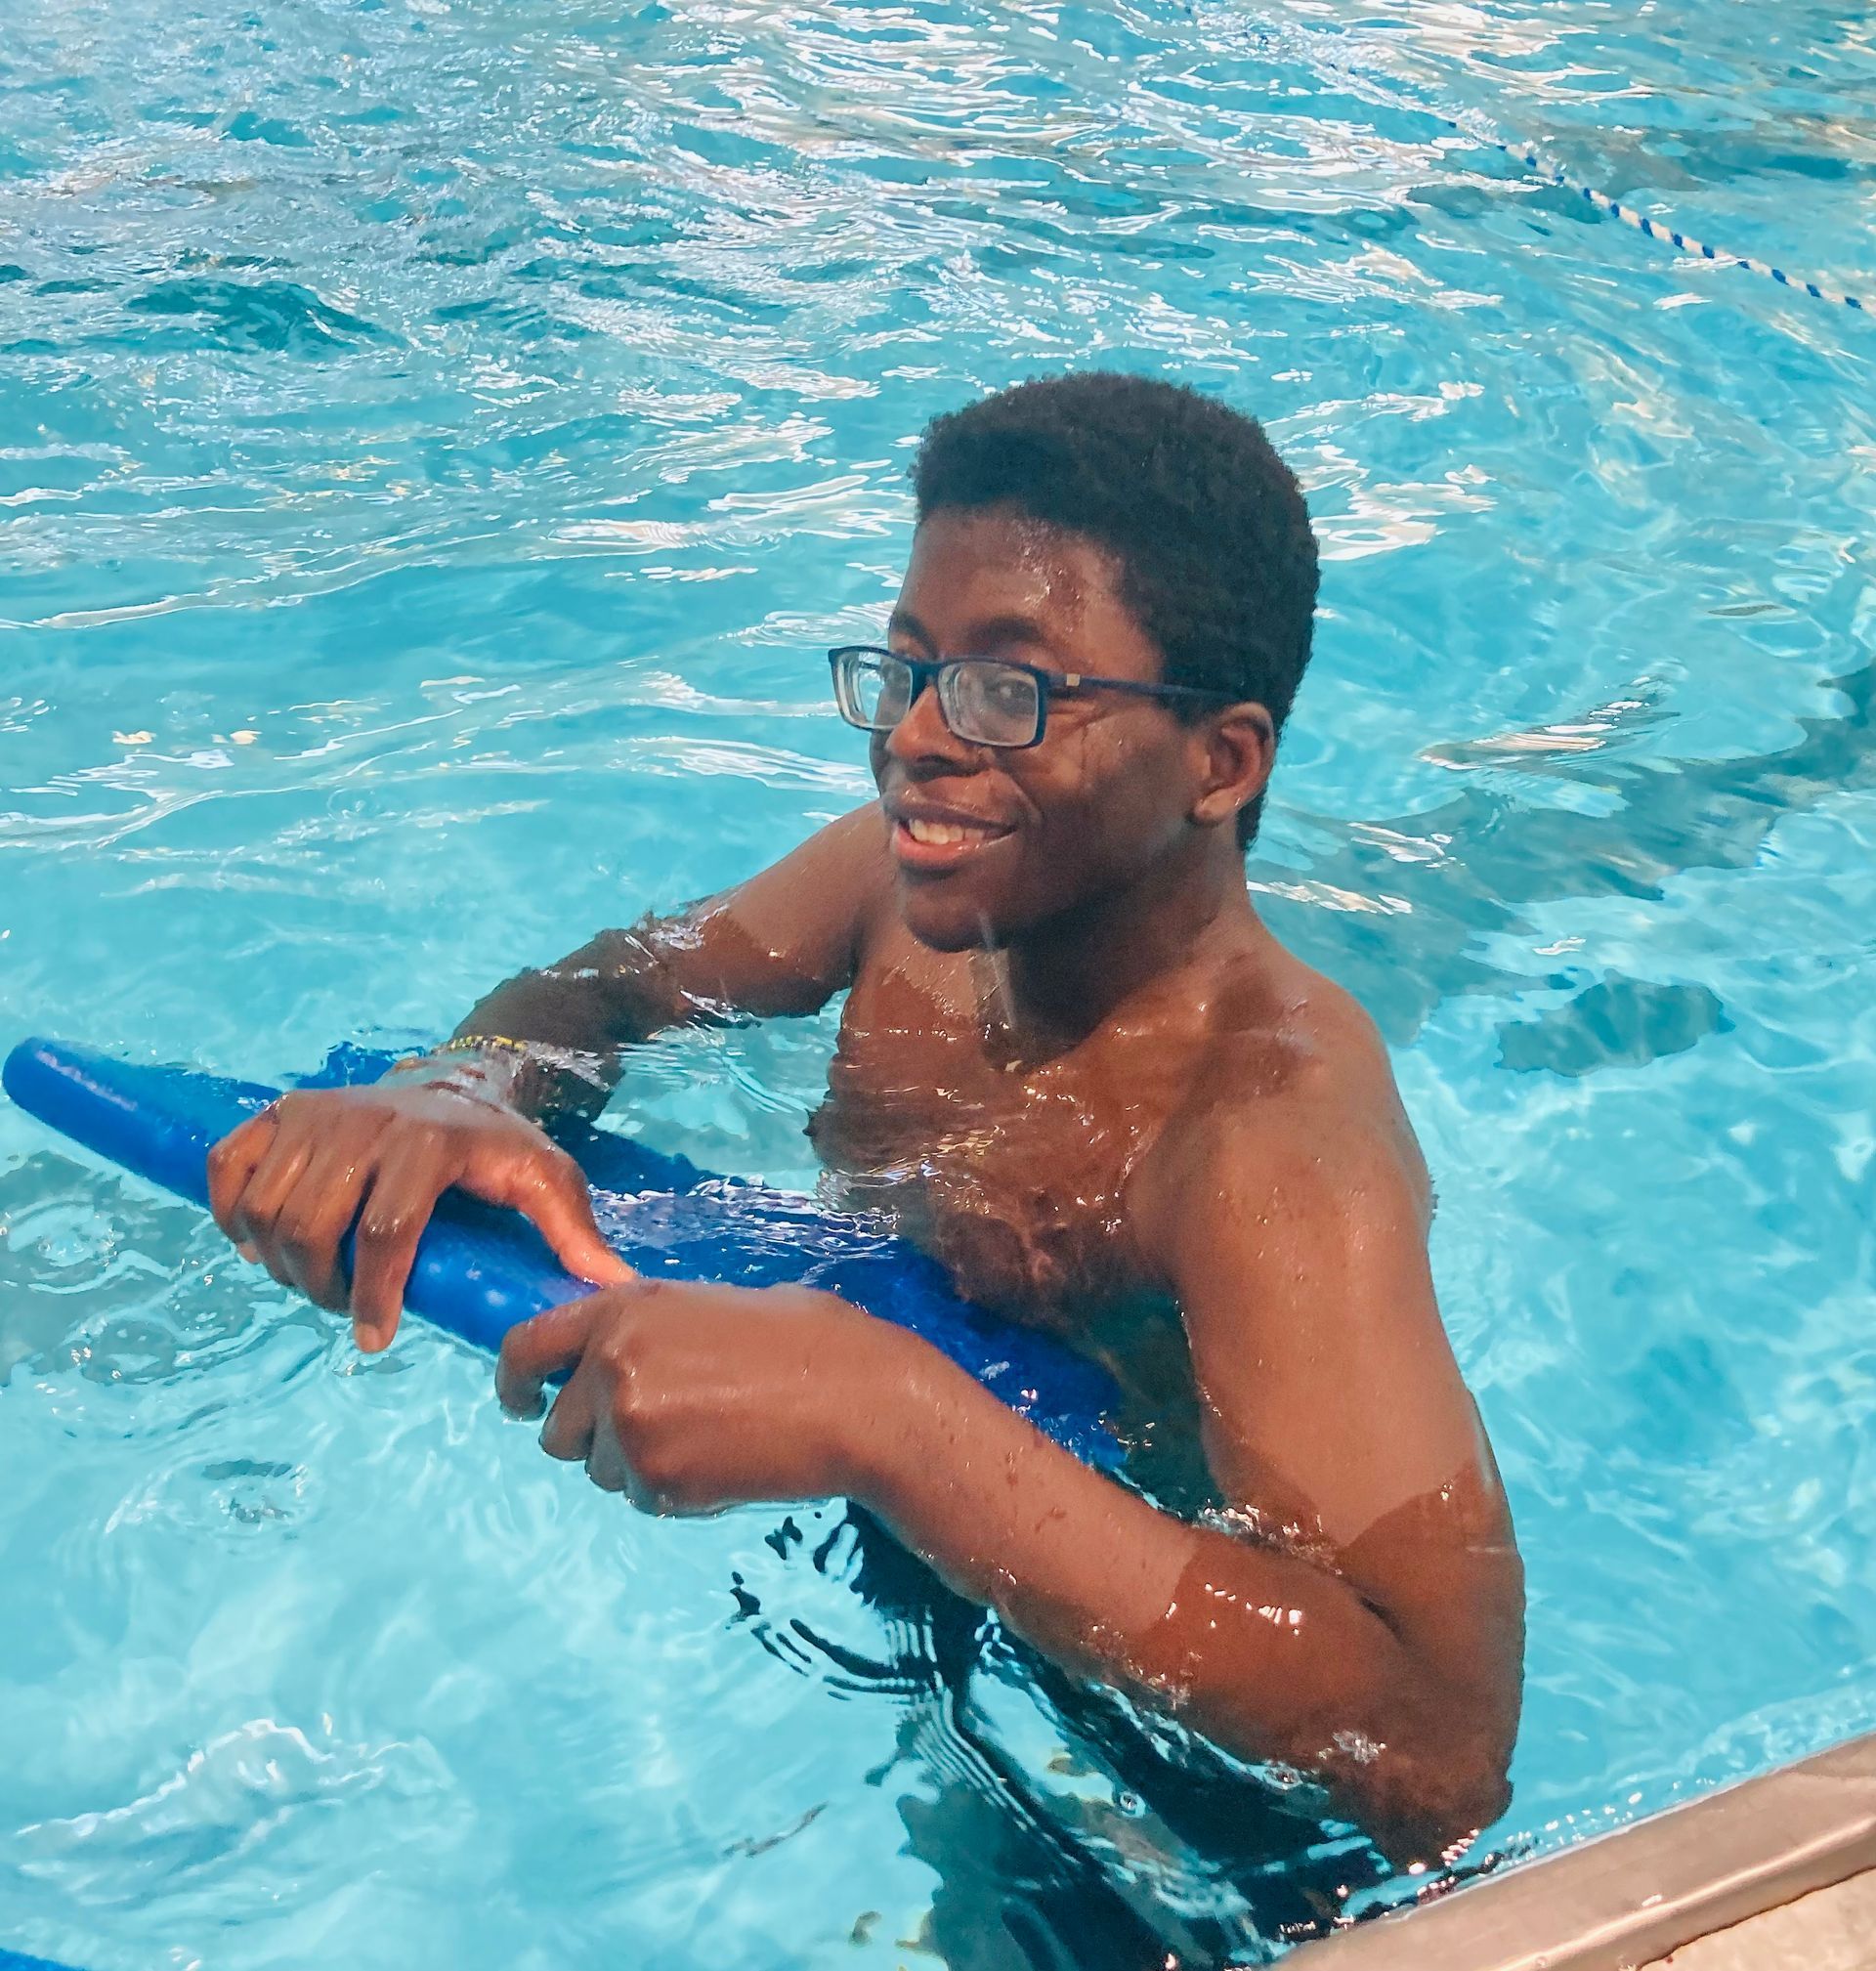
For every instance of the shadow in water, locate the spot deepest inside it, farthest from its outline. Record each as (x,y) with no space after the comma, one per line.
(1135,1849)
(1469,870)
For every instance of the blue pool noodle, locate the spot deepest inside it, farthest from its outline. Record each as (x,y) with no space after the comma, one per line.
(479,1271)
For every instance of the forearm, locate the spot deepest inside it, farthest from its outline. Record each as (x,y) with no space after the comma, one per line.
(1272,1657)
(782,944)
(556,1033)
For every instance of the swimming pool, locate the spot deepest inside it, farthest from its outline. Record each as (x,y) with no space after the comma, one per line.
(436,443)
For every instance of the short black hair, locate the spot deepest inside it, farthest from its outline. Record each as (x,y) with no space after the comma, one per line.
(1207,524)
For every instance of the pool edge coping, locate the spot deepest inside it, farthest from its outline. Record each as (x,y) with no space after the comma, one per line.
(1627,1897)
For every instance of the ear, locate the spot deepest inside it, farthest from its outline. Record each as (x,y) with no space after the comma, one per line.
(1238,748)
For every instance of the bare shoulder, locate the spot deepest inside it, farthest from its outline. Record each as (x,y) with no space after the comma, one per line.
(1287,1213)
(1292,1087)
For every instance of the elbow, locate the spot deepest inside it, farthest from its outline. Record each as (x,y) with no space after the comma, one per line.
(1442,1775)
(1429,1804)
(1422,1787)
(1438,1821)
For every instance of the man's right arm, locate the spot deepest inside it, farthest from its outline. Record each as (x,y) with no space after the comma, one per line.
(288,1185)
(781,944)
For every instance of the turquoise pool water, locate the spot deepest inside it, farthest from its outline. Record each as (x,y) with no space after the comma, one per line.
(437,439)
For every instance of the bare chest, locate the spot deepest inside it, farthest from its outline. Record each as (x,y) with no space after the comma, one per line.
(1015,1180)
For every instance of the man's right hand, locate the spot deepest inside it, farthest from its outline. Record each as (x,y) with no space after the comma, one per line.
(287,1185)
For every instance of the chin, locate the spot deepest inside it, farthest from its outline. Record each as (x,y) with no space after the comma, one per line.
(949,924)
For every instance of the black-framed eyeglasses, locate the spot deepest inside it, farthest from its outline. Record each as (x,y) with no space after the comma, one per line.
(985,701)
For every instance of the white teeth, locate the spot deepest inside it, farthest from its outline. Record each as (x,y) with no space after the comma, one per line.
(943,833)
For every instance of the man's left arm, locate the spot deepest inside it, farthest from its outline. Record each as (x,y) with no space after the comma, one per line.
(1357,1611)
(1365,1625)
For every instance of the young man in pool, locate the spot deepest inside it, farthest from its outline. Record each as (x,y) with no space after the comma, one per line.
(1078,1070)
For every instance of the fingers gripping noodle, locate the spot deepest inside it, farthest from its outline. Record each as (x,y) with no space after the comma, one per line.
(480,1270)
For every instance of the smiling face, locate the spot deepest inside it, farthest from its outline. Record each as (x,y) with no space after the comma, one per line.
(990,843)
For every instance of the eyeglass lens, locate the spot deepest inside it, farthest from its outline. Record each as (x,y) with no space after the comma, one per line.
(984,704)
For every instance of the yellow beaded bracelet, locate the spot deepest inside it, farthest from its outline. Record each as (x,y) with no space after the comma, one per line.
(478,1043)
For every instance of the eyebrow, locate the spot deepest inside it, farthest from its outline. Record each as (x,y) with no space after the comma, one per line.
(1013,627)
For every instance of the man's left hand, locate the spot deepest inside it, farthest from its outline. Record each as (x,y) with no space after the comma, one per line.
(690,1398)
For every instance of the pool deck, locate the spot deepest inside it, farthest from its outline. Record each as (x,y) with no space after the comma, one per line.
(1829,1930)
(1776,1871)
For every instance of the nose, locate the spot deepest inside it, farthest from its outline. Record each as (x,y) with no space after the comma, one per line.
(922,736)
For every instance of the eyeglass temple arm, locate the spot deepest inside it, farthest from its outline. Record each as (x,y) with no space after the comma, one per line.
(1074,679)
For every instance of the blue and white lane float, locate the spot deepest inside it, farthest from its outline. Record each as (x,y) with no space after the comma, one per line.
(480,1270)
(1375,84)
(1659,231)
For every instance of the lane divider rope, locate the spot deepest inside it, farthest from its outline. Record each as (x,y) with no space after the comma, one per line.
(1654,228)
(1384,90)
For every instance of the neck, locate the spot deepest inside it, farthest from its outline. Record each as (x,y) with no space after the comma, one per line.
(1061,979)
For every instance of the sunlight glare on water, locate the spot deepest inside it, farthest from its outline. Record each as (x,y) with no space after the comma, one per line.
(436,441)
